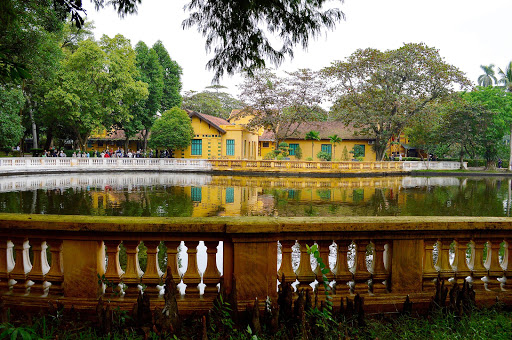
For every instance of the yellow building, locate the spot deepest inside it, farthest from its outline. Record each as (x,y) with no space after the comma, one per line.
(310,148)
(216,138)
(101,141)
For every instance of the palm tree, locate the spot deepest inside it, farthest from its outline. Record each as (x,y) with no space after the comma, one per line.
(488,77)
(313,136)
(334,140)
(506,77)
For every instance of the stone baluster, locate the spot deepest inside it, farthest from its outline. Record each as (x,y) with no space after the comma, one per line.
(153,275)
(380,275)
(304,273)
(55,275)
(323,248)
(40,267)
(172,260)
(286,261)
(361,274)
(191,277)
(133,273)
(478,270)
(343,275)
(429,267)
(4,270)
(460,262)
(114,273)
(22,266)
(443,259)
(211,275)
(495,269)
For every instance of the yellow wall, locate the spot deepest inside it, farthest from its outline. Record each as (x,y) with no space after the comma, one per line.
(310,149)
(111,145)
(214,142)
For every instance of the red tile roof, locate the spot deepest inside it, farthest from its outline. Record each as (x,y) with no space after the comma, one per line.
(215,121)
(325,130)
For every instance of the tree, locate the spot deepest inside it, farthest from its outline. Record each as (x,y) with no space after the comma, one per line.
(172,78)
(506,77)
(281,105)
(335,139)
(379,92)
(97,86)
(488,78)
(464,124)
(218,104)
(424,131)
(233,29)
(312,136)
(11,129)
(172,131)
(499,102)
(144,111)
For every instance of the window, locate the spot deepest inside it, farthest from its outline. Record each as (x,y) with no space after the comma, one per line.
(359,150)
(230,195)
(293,194)
(328,148)
(358,195)
(265,144)
(230,147)
(195,193)
(292,149)
(197,147)
(100,143)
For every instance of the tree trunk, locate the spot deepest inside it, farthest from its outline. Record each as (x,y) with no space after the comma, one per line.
(49,138)
(380,150)
(461,158)
(145,135)
(126,145)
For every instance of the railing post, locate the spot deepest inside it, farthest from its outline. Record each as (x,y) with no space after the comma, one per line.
(255,266)
(83,261)
(407,260)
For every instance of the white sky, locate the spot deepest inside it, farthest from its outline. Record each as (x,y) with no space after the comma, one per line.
(468,33)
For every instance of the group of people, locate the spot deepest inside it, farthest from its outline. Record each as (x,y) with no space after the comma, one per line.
(54,153)
(110,153)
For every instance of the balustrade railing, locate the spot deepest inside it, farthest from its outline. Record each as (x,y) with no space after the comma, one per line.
(78,259)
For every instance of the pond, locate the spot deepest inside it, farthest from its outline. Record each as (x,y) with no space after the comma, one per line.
(164,194)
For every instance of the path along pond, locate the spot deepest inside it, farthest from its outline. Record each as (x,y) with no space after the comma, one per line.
(165,194)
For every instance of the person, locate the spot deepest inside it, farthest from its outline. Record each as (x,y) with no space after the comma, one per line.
(74,154)
(499,163)
(400,157)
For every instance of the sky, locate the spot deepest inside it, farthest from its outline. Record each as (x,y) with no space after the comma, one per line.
(468,33)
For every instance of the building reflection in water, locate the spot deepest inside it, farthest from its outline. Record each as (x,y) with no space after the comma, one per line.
(164,194)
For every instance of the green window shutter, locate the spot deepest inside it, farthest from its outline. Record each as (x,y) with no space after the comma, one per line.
(195,192)
(230,195)
(327,148)
(197,147)
(292,149)
(230,147)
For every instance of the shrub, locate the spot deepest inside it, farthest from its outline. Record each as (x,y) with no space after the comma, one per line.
(36,152)
(309,159)
(325,156)
(298,152)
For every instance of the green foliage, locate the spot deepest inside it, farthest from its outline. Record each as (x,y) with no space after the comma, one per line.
(357,151)
(309,159)
(171,78)
(172,131)
(298,152)
(324,156)
(489,77)
(345,156)
(378,93)
(242,44)
(8,331)
(218,104)
(11,130)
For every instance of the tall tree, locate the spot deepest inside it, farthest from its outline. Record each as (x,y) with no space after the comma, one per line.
(506,77)
(335,139)
(172,78)
(281,105)
(312,136)
(97,86)
(144,111)
(489,77)
(11,129)
(172,131)
(379,92)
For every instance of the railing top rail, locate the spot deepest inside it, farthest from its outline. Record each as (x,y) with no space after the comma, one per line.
(112,225)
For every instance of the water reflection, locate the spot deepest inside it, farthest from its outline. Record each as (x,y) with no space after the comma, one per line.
(157,194)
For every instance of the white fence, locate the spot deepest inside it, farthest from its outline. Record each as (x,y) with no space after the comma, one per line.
(429,165)
(69,164)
